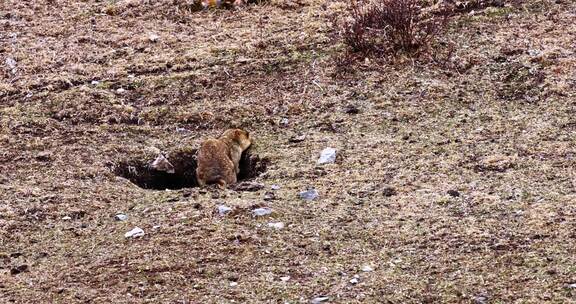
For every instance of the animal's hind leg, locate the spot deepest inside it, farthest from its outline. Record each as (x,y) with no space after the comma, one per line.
(221,184)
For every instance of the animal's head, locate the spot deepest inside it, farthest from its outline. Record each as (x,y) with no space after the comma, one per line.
(241,137)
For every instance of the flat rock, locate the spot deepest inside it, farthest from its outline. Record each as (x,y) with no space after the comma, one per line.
(321,299)
(309,195)
(134,233)
(248,186)
(223,210)
(327,156)
(262,211)
(162,164)
(121,217)
(276,225)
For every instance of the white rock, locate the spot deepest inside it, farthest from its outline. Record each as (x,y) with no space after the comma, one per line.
(95,82)
(233,284)
(327,156)
(11,63)
(572,286)
(134,233)
(309,195)
(153,37)
(320,299)
(162,164)
(120,90)
(367,268)
(354,281)
(66,218)
(275,187)
(262,211)
(276,225)
(121,217)
(284,121)
(223,210)
(156,227)
(285,278)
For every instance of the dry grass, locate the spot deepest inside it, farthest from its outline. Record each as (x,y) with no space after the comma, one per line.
(495,125)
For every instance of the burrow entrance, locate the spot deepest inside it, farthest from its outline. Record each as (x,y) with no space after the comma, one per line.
(141,172)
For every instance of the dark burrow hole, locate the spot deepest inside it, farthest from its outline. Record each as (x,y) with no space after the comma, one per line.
(140,172)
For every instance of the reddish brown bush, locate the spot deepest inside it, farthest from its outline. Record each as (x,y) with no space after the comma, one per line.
(387,27)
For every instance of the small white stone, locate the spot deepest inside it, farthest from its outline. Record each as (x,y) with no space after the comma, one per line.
(153,37)
(275,187)
(162,164)
(66,218)
(11,63)
(121,217)
(95,82)
(367,268)
(262,211)
(120,90)
(156,227)
(285,278)
(354,281)
(309,195)
(276,225)
(134,233)
(223,210)
(320,299)
(233,284)
(327,156)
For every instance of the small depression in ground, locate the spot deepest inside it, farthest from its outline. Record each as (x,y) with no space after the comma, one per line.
(140,172)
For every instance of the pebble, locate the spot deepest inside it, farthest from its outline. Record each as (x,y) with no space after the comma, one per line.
(66,218)
(95,82)
(309,195)
(262,211)
(327,156)
(233,284)
(11,63)
(248,186)
(223,210)
(320,299)
(276,225)
(134,233)
(268,196)
(162,164)
(284,121)
(297,138)
(121,217)
(285,278)
(572,286)
(153,38)
(275,187)
(354,281)
(367,268)
(120,91)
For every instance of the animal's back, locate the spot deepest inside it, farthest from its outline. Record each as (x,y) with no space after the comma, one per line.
(214,164)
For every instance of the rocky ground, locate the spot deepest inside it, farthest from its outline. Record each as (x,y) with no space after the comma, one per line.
(454,181)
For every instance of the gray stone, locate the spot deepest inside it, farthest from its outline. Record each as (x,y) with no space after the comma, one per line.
(134,233)
(162,164)
(262,211)
(121,217)
(327,156)
(309,195)
(320,299)
(223,210)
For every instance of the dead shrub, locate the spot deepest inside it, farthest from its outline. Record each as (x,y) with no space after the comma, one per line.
(389,27)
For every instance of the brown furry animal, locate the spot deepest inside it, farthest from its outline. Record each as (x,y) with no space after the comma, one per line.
(219,159)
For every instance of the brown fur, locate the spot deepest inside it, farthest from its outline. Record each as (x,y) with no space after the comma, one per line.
(219,159)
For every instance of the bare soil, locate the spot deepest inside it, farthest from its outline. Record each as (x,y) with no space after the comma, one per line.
(455,182)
